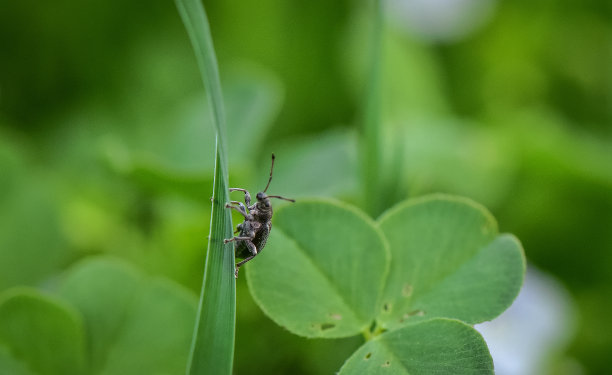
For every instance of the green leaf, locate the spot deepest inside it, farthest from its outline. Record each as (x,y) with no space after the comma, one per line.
(177,158)
(306,161)
(448,261)
(29,220)
(9,365)
(212,350)
(135,324)
(322,271)
(439,346)
(196,186)
(253,97)
(41,332)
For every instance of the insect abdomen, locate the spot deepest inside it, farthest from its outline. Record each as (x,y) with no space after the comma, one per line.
(261,237)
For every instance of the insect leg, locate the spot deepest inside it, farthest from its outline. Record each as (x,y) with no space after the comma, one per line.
(251,247)
(241,209)
(247,195)
(237,204)
(246,239)
(241,263)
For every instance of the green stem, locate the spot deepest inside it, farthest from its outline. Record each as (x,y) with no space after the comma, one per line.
(371,154)
(372,331)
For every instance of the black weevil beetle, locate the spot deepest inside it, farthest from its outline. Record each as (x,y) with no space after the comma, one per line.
(255,229)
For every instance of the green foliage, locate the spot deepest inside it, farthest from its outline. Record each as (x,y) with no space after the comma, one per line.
(146,323)
(31,324)
(371,118)
(328,272)
(10,365)
(29,203)
(323,271)
(330,156)
(178,157)
(110,319)
(212,350)
(448,261)
(107,147)
(439,346)
(213,343)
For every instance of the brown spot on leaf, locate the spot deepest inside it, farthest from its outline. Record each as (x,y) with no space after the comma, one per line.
(406,290)
(411,314)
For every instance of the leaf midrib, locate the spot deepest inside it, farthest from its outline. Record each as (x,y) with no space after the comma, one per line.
(326,277)
(443,276)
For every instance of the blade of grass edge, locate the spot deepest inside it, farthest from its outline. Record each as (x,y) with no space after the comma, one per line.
(212,349)
(370,143)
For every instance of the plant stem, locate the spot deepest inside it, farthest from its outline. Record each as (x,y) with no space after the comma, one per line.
(371,153)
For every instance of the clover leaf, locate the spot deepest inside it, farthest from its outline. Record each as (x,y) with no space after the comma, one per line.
(448,261)
(322,272)
(412,283)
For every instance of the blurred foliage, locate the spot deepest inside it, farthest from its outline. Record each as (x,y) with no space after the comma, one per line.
(106,149)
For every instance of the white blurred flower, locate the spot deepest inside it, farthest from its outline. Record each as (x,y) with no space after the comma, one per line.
(441,20)
(535,328)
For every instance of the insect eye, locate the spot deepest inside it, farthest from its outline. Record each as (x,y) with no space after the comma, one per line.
(267,204)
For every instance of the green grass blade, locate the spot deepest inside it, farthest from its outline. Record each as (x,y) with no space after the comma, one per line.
(371,121)
(212,349)
(194,17)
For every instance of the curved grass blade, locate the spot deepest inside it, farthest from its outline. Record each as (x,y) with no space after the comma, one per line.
(212,349)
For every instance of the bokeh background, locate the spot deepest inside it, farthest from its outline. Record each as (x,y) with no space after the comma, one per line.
(106,146)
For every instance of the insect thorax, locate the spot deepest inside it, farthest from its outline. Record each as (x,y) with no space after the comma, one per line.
(261,213)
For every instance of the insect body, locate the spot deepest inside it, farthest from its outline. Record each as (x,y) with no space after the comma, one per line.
(254,231)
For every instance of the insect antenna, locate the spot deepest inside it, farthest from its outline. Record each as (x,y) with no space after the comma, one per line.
(283,198)
(271,169)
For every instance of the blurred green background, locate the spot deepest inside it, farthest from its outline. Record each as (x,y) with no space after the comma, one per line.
(106,146)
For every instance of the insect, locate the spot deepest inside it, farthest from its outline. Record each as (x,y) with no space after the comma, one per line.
(255,229)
